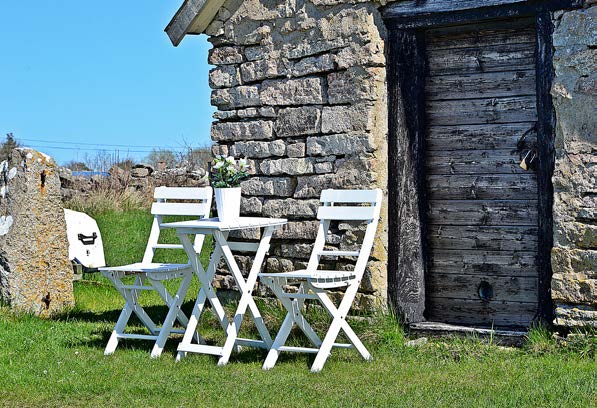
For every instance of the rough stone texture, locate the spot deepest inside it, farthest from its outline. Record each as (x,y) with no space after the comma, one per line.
(574,256)
(35,272)
(315,71)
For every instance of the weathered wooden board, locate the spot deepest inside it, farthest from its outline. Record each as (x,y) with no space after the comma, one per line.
(484,263)
(477,137)
(477,313)
(484,85)
(478,36)
(487,238)
(484,110)
(475,162)
(472,212)
(504,288)
(493,58)
(483,187)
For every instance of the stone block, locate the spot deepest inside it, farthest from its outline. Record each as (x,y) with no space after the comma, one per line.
(296,150)
(347,118)
(368,54)
(306,230)
(248,32)
(323,167)
(576,316)
(269,186)
(305,120)
(347,176)
(233,98)
(296,250)
(313,65)
(289,207)
(247,113)
(35,272)
(259,70)
(291,166)
(574,288)
(302,91)
(225,114)
(258,150)
(339,145)
(356,84)
(250,206)
(224,76)
(219,150)
(225,56)
(268,112)
(277,265)
(238,131)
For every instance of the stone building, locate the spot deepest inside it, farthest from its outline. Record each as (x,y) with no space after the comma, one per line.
(475,117)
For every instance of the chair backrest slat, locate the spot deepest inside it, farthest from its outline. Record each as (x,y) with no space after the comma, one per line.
(329,212)
(180,209)
(182,193)
(197,202)
(348,196)
(346,213)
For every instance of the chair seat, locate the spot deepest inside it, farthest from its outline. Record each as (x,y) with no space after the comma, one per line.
(314,277)
(141,267)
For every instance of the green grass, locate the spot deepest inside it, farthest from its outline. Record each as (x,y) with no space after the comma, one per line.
(60,362)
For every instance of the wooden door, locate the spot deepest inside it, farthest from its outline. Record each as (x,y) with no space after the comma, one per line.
(482,231)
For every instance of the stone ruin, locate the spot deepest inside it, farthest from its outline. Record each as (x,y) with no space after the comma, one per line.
(35,272)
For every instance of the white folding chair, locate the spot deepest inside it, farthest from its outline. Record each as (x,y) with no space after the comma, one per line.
(313,282)
(150,275)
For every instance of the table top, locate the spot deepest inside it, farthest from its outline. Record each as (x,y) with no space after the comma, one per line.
(216,224)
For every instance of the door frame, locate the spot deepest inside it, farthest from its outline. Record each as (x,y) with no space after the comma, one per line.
(406,72)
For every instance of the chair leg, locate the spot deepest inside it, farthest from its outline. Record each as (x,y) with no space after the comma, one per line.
(123,319)
(326,346)
(274,352)
(352,337)
(173,312)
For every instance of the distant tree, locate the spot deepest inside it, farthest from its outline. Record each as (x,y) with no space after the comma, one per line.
(159,155)
(196,158)
(77,166)
(7,146)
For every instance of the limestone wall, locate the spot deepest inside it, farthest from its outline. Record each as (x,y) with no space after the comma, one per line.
(574,256)
(300,91)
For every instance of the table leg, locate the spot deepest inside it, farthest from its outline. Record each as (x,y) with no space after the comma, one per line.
(246,289)
(207,292)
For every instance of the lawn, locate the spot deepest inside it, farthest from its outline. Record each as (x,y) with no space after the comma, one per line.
(60,362)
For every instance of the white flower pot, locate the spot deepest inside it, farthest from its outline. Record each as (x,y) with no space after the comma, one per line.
(228,203)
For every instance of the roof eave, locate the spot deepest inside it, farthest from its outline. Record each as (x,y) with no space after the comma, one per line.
(193,17)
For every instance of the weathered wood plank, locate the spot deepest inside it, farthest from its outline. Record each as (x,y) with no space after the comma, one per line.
(475,162)
(477,313)
(478,111)
(494,58)
(504,288)
(520,31)
(483,187)
(485,85)
(472,212)
(477,137)
(502,238)
(485,263)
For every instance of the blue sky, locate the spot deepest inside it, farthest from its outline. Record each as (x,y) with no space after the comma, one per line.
(103,73)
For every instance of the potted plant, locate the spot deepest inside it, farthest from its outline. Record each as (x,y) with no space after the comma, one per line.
(226,175)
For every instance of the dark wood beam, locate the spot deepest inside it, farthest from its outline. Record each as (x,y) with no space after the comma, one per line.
(546,161)
(406,189)
(432,13)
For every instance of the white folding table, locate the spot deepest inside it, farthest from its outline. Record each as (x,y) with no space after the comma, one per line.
(223,248)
